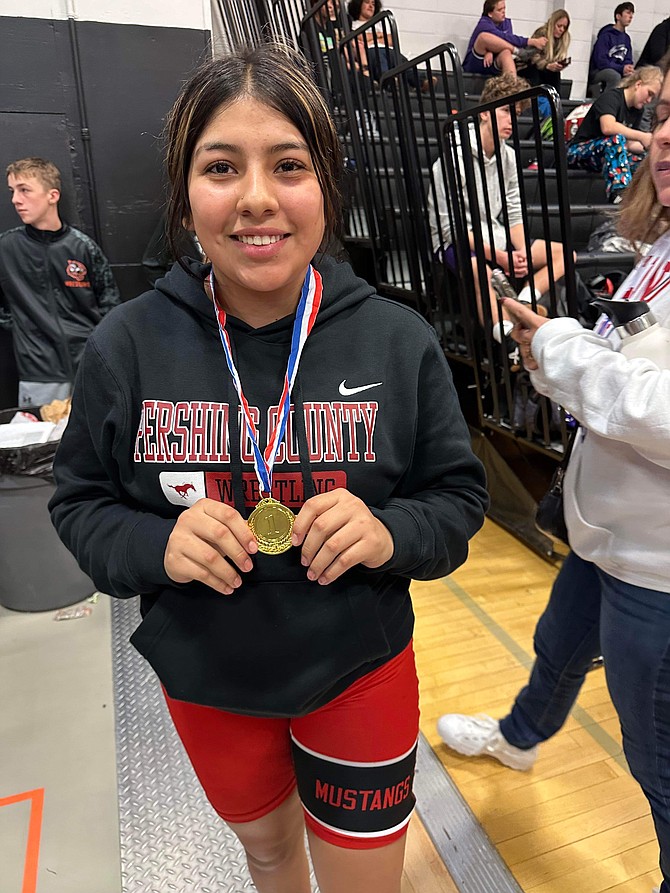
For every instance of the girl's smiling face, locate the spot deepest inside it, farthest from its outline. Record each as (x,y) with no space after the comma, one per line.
(256,205)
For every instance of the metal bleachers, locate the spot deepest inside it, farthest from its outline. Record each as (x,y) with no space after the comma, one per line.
(399,122)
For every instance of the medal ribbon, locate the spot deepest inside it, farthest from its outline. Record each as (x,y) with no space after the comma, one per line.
(305,317)
(645,282)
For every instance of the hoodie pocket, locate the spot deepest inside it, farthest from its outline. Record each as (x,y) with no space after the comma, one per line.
(590,541)
(270,649)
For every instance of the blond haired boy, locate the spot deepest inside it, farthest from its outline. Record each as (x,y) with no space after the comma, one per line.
(55,285)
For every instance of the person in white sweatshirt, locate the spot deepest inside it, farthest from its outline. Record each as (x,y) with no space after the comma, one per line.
(612,595)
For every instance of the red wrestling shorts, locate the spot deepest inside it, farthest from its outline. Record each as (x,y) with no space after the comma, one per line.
(352,759)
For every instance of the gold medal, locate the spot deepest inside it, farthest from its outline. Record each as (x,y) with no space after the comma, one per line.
(272,523)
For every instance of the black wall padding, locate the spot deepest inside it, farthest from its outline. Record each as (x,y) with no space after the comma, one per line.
(128,76)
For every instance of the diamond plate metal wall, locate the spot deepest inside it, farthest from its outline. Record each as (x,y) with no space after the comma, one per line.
(172,841)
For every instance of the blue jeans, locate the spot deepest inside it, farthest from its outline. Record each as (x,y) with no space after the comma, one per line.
(382,59)
(591,612)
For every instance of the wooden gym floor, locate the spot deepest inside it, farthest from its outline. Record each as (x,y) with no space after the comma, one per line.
(577,822)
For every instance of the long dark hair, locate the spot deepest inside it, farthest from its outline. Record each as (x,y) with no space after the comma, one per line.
(273,75)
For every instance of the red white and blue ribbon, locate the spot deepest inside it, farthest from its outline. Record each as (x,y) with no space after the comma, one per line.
(648,280)
(305,317)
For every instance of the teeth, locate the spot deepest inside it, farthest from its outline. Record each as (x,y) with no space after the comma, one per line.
(259,240)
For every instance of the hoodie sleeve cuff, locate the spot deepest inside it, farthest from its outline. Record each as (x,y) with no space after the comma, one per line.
(560,325)
(146,551)
(406,534)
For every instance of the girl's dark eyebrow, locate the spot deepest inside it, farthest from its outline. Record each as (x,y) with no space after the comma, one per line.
(284,147)
(229,147)
(217,147)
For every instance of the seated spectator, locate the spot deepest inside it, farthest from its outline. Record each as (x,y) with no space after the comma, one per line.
(612,54)
(320,33)
(546,64)
(609,139)
(657,45)
(379,55)
(493,46)
(509,249)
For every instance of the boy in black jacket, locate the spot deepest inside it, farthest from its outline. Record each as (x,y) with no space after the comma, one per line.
(55,285)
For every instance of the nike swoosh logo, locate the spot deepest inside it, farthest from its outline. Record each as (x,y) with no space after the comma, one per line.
(347,392)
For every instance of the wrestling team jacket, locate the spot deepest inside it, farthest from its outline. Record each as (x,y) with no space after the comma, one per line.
(155,427)
(55,287)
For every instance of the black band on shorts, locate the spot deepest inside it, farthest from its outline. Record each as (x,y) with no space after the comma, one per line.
(362,799)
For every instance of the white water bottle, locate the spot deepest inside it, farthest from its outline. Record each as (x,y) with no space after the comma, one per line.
(641,335)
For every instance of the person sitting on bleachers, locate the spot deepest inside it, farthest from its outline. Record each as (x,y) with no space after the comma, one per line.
(378,54)
(609,138)
(329,21)
(612,54)
(546,64)
(657,45)
(509,249)
(493,46)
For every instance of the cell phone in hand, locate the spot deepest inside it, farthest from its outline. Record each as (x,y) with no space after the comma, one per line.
(565,62)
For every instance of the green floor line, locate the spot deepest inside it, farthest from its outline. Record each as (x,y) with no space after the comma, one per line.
(611,747)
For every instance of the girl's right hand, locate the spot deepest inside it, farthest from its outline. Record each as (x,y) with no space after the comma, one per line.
(520,263)
(210,543)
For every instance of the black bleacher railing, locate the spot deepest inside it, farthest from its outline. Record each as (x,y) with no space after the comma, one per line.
(378,205)
(474,182)
(322,29)
(401,124)
(418,95)
(286,18)
(242,21)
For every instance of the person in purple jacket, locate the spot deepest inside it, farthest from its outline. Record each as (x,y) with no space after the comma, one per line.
(612,54)
(493,45)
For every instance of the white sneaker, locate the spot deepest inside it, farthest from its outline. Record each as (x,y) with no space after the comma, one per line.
(480,735)
(526,295)
(507,326)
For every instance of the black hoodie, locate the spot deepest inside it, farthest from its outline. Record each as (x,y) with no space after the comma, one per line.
(148,436)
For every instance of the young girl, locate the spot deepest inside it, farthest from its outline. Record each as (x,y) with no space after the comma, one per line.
(545,66)
(268,452)
(609,138)
(379,54)
(493,45)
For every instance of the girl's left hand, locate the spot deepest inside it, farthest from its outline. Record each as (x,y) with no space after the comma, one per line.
(337,531)
(526,323)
